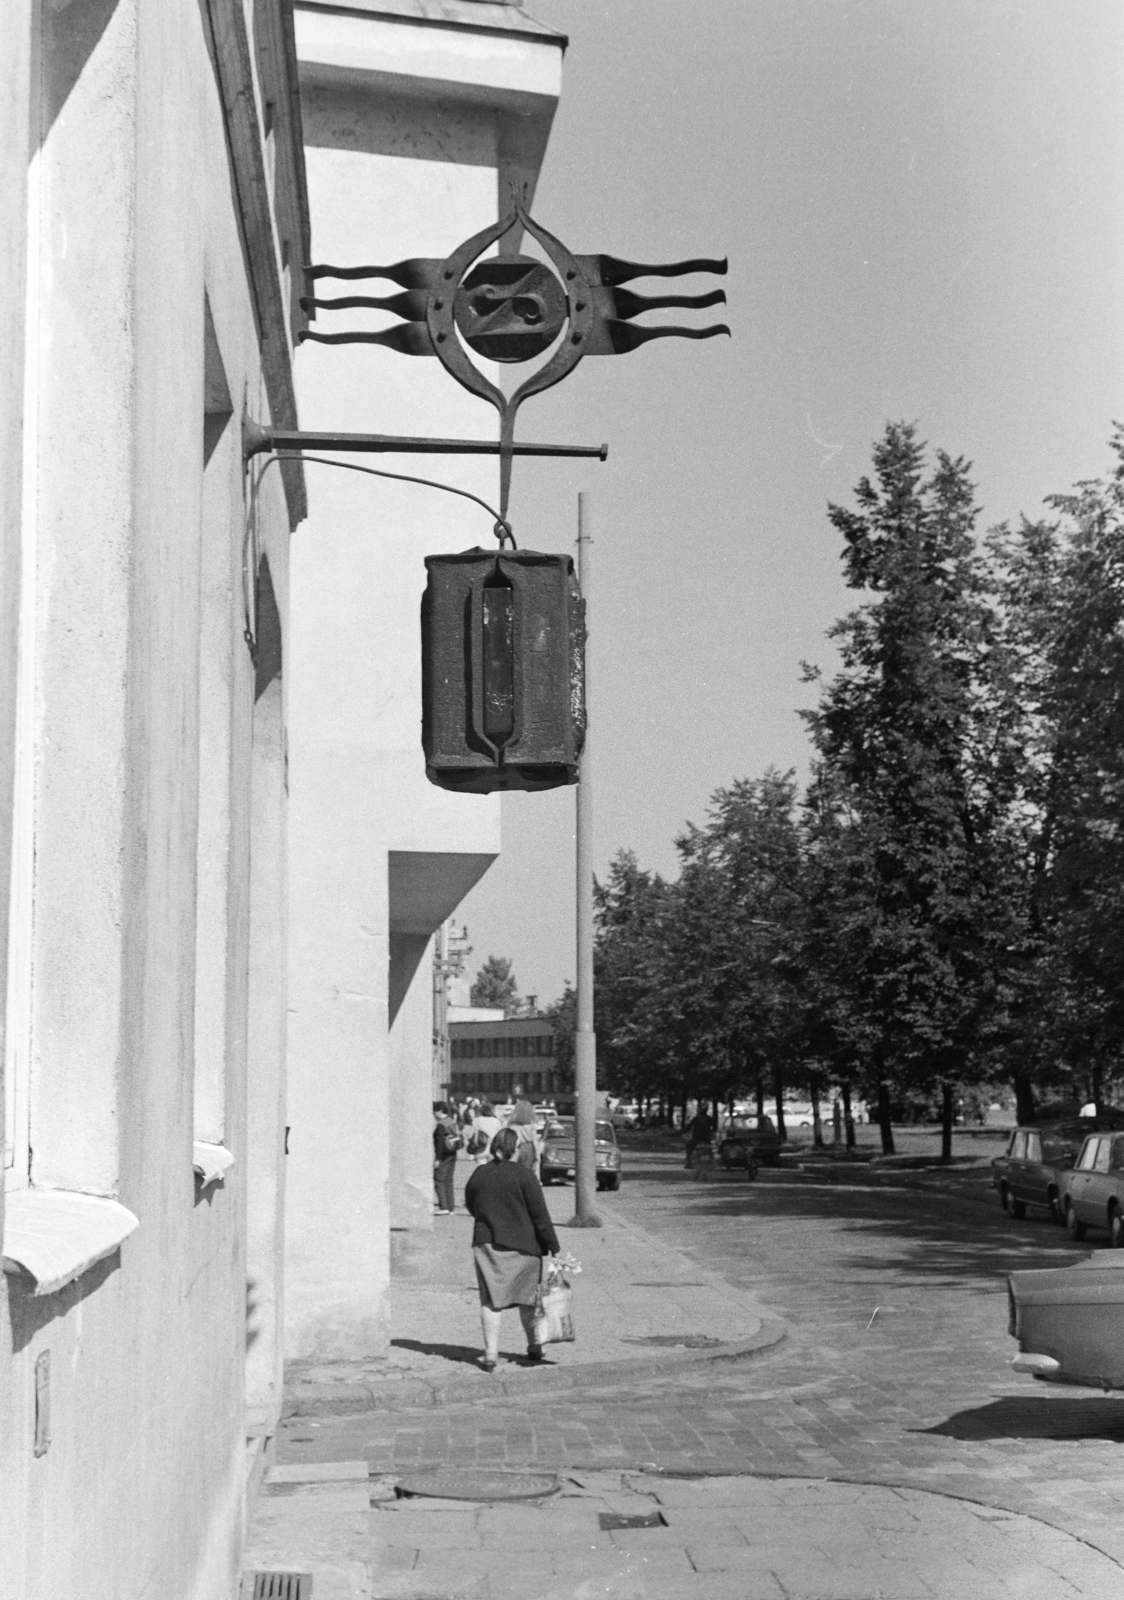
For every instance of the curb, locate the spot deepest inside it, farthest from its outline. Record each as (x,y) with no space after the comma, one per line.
(415,1394)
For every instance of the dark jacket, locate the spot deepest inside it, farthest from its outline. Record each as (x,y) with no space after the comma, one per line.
(507,1201)
(446,1127)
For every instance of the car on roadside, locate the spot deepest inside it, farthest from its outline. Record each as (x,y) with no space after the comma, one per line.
(1029,1172)
(1067,1320)
(625,1115)
(557,1160)
(746,1140)
(1092,1191)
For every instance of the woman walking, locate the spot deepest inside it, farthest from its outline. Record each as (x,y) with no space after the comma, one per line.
(485,1126)
(513,1231)
(522,1119)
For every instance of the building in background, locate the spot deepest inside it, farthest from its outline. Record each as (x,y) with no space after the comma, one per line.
(152,213)
(500,1058)
(418,119)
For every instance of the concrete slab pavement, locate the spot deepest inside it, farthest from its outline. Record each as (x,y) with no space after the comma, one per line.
(745,1538)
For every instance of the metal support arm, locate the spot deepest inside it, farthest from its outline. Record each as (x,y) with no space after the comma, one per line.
(257,440)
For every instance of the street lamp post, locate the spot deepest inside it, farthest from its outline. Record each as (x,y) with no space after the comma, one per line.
(585,1039)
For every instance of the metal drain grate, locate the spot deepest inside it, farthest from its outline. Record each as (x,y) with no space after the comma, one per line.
(277,1586)
(643,1519)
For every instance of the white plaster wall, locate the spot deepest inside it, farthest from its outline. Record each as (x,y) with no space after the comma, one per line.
(141,1490)
(411,1096)
(387,179)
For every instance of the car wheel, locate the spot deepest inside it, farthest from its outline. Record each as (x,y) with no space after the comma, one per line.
(1056,1212)
(614,1182)
(750,1170)
(1004,1195)
(1017,1208)
(1116,1228)
(1075,1229)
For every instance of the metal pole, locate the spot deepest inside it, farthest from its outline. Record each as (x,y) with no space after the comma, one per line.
(585,1040)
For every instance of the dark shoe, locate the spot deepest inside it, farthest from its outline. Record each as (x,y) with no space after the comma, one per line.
(486,1365)
(534,1352)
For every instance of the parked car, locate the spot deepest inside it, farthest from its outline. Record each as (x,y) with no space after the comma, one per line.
(1067,1321)
(557,1160)
(625,1115)
(1029,1171)
(748,1139)
(1092,1192)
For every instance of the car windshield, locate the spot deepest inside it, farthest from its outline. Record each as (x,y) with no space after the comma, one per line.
(560,1130)
(604,1132)
(750,1125)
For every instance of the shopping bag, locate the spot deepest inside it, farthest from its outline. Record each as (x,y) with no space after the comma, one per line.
(554,1316)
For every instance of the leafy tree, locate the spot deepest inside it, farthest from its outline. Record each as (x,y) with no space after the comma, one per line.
(564,1014)
(495,986)
(905,734)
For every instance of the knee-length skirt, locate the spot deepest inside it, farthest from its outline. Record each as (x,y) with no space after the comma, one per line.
(506,1277)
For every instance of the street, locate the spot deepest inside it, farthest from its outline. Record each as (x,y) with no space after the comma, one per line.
(893,1371)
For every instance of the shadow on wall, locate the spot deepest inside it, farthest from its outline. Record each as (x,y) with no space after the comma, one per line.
(253,1330)
(71,35)
(29,1313)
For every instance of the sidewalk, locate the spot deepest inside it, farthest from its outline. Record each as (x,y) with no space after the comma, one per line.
(639,1308)
(726,1484)
(734,1538)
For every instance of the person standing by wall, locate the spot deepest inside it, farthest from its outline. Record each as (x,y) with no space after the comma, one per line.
(513,1231)
(446,1142)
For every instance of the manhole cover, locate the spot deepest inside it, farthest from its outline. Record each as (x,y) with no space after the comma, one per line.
(451,1485)
(687,1341)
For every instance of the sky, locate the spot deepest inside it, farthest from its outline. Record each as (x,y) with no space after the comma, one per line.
(922,208)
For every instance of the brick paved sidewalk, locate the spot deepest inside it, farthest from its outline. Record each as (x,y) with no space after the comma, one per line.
(639,1307)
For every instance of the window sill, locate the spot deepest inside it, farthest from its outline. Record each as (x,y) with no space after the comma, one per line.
(211,1162)
(55,1235)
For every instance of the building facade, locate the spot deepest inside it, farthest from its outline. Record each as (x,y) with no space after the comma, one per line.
(153,212)
(418,118)
(502,1060)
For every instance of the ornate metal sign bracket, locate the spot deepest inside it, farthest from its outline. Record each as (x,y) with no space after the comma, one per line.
(510,309)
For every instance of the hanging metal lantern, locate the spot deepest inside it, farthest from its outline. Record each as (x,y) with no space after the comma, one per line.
(503,671)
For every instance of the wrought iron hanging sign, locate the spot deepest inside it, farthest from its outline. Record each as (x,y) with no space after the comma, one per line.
(513,309)
(503,635)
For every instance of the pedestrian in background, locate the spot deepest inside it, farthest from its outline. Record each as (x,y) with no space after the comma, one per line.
(699,1131)
(523,1124)
(513,1231)
(446,1142)
(484,1129)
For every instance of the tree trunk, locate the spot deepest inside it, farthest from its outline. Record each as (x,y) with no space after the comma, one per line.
(848,1117)
(817,1123)
(760,1097)
(946,1122)
(778,1089)
(836,1123)
(884,1119)
(1098,1088)
(1024,1097)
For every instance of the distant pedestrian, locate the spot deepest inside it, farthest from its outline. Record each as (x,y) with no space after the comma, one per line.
(513,1231)
(484,1128)
(699,1131)
(446,1142)
(522,1121)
